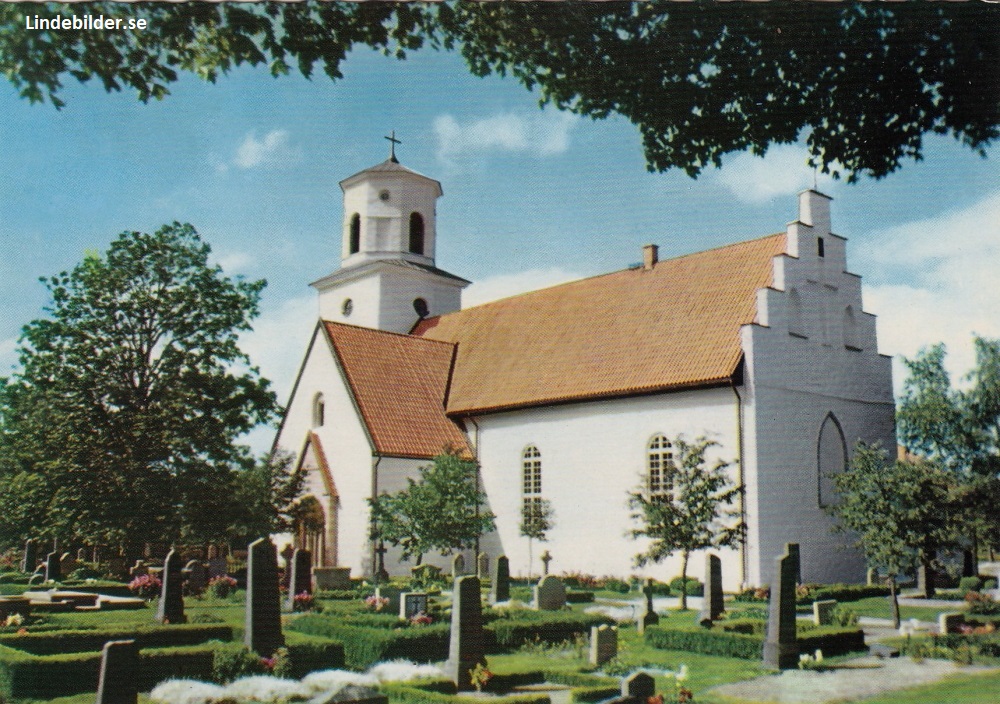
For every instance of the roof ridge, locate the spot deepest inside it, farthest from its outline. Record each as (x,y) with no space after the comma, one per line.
(387,332)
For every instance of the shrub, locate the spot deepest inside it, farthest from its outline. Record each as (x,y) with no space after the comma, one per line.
(613,584)
(982,604)
(970,584)
(754,595)
(303,602)
(222,586)
(694,587)
(989,584)
(234,661)
(145,586)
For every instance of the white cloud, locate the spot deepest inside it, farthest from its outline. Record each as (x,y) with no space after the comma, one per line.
(543,133)
(935,280)
(783,171)
(505,285)
(8,355)
(274,146)
(235,262)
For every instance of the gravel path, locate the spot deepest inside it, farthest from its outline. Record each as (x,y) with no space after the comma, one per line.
(858,679)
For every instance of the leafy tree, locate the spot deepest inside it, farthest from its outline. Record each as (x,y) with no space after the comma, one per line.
(692,516)
(863,82)
(439,511)
(120,427)
(265,498)
(537,519)
(899,511)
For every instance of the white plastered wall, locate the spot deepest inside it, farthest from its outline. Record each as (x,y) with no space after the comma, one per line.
(385,225)
(593,454)
(794,381)
(345,445)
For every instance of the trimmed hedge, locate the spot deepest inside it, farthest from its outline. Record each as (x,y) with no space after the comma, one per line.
(579,597)
(83,640)
(548,627)
(363,647)
(843,592)
(424,694)
(750,645)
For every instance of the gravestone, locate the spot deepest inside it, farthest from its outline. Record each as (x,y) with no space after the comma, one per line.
(392,594)
(871,577)
(713,604)
(300,579)
(411,604)
(796,554)
(217,566)
(332,577)
(458,566)
(466,648)
(118,682)
(52,564)
(30,556)
(171,606)
(197,576)
(140,569)
(263,607)
(647,615)
(483,566)
(67,563)
(603,644)
(781,651)
(546,558)
(823,612)
(550,594)
(950,622)
(81,555)
(639,686)
(286,554)
(500,589)
(116,566)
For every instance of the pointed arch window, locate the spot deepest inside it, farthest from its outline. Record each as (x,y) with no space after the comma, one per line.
(355,241)
(319,411)
(416,233)
(660,468)
(831,459)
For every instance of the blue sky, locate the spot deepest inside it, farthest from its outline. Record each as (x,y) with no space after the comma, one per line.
(532,197)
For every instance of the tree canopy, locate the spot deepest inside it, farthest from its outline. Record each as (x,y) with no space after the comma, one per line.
(442,510)
(696,513)
(863,83)
(121,426)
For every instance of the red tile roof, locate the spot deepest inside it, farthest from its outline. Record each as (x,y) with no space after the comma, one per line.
(399,383)
(633,331)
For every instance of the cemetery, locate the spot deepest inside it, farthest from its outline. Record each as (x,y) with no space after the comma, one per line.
(268,634)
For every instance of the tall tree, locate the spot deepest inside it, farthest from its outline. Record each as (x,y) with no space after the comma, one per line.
(265,498)
(900,511)
(537,519)
(441,510)
(694,515)
(862,82)
(132,393)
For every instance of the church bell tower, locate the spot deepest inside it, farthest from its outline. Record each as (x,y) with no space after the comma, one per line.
(387,278)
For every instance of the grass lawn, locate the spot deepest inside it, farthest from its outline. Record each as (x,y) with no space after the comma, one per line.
(973,688)
(879,607)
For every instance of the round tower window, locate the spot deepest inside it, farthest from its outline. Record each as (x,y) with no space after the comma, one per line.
(347,308)
(383,195)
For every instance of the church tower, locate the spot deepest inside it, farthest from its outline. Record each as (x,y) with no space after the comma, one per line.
(387,278)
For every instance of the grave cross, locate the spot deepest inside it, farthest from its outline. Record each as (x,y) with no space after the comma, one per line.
(380,574)
(546,558)
(392,147)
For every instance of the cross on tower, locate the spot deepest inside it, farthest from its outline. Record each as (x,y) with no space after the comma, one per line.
(392,146)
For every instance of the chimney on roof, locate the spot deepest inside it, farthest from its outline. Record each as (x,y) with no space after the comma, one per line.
(650,255)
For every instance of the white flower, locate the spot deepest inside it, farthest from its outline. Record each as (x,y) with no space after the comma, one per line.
(185,692)
(682,675)
(819,655)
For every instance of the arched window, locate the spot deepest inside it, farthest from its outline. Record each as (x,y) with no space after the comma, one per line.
(851,339)
(794,313)
(531,480)
(416,233)
(355,243)
(421,307)
(660,468)
(319,411)
(831,459)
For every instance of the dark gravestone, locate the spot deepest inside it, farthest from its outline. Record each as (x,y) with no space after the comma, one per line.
(30,557)
(639,686)
(781,651)
(466,648)
(286,555)
(500,589)
(483,566)
(713,601)
(263,609)
(793,551)
(458,566)
(52,573)
(647,615)
(119,678)
(171,607)
(196,575)
(300,579)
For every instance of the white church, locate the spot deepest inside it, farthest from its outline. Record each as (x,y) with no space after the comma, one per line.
(573,393)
